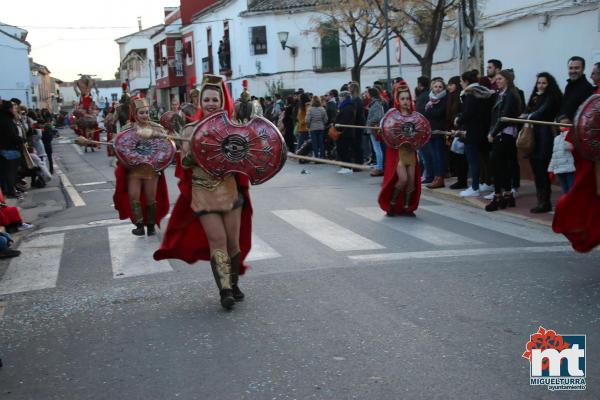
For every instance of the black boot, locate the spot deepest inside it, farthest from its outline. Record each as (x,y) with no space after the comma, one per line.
(150,218)
(544,205)
(509,199)
(498,202)
(236,264)
(407,196)
(220,264)
(394,202)
(138,218)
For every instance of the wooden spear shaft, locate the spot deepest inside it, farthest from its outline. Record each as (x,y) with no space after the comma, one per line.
(330,162)
(535,122)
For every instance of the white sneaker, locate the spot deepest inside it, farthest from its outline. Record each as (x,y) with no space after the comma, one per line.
(486,188)
(469,193)
(489,196)
(515,193)
(24,226)
(341,171)
(348,171)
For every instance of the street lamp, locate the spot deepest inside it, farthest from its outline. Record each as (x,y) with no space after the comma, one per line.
(283,38)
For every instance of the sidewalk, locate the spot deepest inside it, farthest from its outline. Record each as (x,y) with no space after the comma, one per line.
(525,200)
(39,204)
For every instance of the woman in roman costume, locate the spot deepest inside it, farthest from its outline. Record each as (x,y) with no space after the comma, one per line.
(212,219)
(141,192)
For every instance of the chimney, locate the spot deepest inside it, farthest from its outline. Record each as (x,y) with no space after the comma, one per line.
(140,23)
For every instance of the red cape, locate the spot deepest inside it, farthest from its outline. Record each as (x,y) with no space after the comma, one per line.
(577,214)
(8,214)
(185,239)
(389,182)
(121,196)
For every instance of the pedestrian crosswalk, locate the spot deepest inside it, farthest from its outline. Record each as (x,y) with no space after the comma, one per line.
(357,234)
(36,268)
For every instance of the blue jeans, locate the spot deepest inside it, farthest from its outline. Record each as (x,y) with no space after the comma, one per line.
(318,143)
(378,152)
(302,137)
(438,152)
(566,181)
(425,154)
(472,154)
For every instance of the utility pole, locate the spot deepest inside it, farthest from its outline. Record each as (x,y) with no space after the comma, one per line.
(386,8)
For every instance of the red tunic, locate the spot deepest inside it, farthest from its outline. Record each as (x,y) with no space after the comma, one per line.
(577,214)
(389,183)
(121,196)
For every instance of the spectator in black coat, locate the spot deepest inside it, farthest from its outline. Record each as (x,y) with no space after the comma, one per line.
(577,91)
(474,119)
(543,105)
(503,138)
(435,112)
(10,149)
(425,152)
(346,115)
(360,119)
(288,124)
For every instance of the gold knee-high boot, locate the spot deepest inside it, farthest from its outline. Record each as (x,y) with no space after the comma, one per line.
(138,218)
(151,218)
(236,264)
(221,267)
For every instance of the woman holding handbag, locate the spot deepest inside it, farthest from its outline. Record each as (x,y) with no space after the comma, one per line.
(544,104)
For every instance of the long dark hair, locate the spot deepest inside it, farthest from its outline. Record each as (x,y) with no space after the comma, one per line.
(552,92)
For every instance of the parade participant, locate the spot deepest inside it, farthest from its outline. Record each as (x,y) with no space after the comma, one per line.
(141,192)
(401,187)
(577,212)
(212,219)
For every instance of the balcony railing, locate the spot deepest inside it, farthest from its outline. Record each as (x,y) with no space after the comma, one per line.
(179,68)
(329,59)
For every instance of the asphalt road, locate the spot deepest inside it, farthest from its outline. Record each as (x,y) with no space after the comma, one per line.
(342,303)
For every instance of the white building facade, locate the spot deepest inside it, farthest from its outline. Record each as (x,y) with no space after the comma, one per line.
(136,59)
(317,66)
(531,36)
(15,79)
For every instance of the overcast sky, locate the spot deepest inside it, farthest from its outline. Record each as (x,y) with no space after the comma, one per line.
(68,52)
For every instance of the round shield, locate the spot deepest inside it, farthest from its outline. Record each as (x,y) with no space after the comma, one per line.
(172,121)
(255,149)
(86,121)
(398,129)
(586,134)
(134,151)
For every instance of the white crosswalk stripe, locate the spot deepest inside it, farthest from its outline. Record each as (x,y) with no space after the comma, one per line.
(415,228)
(529,232)
(326,232)
(131,255)
(37,266)
(261,250)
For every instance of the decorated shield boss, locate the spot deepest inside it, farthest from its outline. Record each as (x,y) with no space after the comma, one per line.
(134,151)
(398,129)
(255,149)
